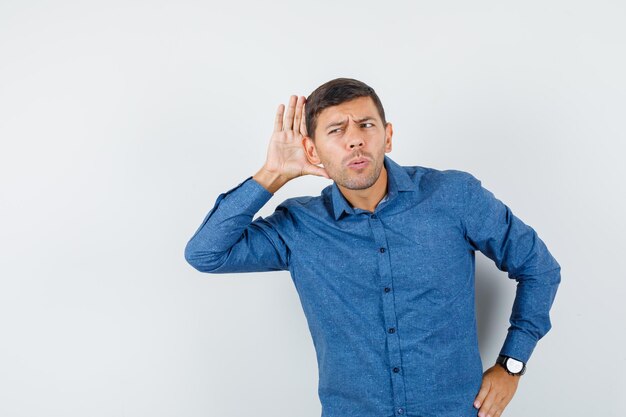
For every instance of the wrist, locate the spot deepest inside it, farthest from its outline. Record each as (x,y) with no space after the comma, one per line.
(271,181)
(511,365)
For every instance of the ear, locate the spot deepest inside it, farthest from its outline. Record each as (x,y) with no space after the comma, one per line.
(388,135)
(310,151)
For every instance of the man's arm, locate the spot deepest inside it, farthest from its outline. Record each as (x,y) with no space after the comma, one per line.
(228,240)
(516,248)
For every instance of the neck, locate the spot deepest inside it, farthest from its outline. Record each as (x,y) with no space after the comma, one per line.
(367,198)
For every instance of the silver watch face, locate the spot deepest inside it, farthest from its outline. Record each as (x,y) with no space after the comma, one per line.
(514,365)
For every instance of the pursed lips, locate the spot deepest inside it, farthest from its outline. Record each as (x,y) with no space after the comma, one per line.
(358,163)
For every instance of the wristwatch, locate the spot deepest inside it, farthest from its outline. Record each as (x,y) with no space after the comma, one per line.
(512,366)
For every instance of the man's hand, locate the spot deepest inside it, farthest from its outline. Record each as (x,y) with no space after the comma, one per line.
(495,392)
(286,157)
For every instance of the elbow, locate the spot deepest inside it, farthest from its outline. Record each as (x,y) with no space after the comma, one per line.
(201,260)
(191,256)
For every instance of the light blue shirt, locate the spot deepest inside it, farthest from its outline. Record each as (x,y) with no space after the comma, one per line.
(389,295)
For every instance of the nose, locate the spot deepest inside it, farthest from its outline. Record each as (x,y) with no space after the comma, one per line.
(354,137)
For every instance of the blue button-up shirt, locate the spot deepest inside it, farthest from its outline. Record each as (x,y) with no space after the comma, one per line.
(389,295)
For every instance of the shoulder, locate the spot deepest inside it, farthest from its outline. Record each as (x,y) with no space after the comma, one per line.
(303,206)
(294,203)
(429,178)
(446,189)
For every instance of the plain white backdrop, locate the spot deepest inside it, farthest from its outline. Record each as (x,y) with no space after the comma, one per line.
(122,121)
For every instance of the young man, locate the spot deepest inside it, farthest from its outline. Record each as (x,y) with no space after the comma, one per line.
(383,262)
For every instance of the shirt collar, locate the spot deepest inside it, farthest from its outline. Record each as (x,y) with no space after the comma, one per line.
(397,180)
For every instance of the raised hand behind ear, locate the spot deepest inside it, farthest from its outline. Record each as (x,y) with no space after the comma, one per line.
(286,157)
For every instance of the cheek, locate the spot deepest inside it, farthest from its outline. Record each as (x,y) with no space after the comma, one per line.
(330,164)
(327,157)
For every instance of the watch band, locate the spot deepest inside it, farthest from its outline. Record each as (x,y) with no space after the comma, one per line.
(502,360)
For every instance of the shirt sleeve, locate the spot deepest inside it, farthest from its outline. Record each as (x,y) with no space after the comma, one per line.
(515,247)
(229,241)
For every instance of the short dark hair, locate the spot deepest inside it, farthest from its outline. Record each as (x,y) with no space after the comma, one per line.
(335,92)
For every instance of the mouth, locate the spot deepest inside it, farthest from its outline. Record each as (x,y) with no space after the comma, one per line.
(358,163)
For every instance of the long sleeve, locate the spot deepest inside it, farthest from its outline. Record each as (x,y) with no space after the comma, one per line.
(515,248)
(228,240)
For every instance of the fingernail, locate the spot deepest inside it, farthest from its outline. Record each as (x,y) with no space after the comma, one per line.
(477,404)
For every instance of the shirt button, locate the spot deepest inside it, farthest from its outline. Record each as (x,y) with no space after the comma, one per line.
(373,216)
(396,369)
(387,289)
(391,330)
(382,250)
(400,410)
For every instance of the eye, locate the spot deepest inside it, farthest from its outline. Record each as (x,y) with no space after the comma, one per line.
(362,125)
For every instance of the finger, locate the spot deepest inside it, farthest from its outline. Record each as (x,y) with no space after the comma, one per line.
(291,108)
(482,394)
(298,118)
(278,120)
(489,405)
(303,123)
(494,411)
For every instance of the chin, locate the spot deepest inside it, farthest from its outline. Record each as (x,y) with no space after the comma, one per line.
(360,185)
(358,182)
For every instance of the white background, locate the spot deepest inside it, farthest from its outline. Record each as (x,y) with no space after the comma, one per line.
(121,122)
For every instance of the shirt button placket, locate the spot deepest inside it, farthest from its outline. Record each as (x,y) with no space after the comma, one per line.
(389,312)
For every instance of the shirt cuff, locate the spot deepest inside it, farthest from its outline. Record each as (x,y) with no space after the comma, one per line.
(518,345)
(250,196)
(246,198)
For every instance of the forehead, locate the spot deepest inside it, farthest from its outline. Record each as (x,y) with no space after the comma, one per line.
(356,108)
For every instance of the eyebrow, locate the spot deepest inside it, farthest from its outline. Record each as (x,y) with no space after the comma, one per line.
(343,121)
